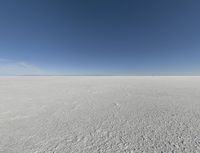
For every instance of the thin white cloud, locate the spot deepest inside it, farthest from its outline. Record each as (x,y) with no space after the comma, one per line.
(8,67)
(4,60)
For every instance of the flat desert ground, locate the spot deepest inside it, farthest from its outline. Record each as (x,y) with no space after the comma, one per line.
(99,114)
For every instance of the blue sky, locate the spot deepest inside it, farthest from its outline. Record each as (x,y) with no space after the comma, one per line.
(75,37)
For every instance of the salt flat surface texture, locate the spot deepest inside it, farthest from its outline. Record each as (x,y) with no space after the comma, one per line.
(99,114)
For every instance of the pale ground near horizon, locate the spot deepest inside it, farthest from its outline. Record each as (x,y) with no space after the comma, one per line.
(91,114)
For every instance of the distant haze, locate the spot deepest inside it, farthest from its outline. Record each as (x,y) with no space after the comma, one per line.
(101,37)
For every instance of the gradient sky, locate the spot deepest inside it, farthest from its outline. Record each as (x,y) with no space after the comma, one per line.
(138,37)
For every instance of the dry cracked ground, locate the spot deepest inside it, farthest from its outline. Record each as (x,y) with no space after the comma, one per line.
(99,114)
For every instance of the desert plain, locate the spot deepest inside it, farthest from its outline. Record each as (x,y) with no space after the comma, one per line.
(100,114)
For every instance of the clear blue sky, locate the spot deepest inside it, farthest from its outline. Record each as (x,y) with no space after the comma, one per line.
(139,37)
